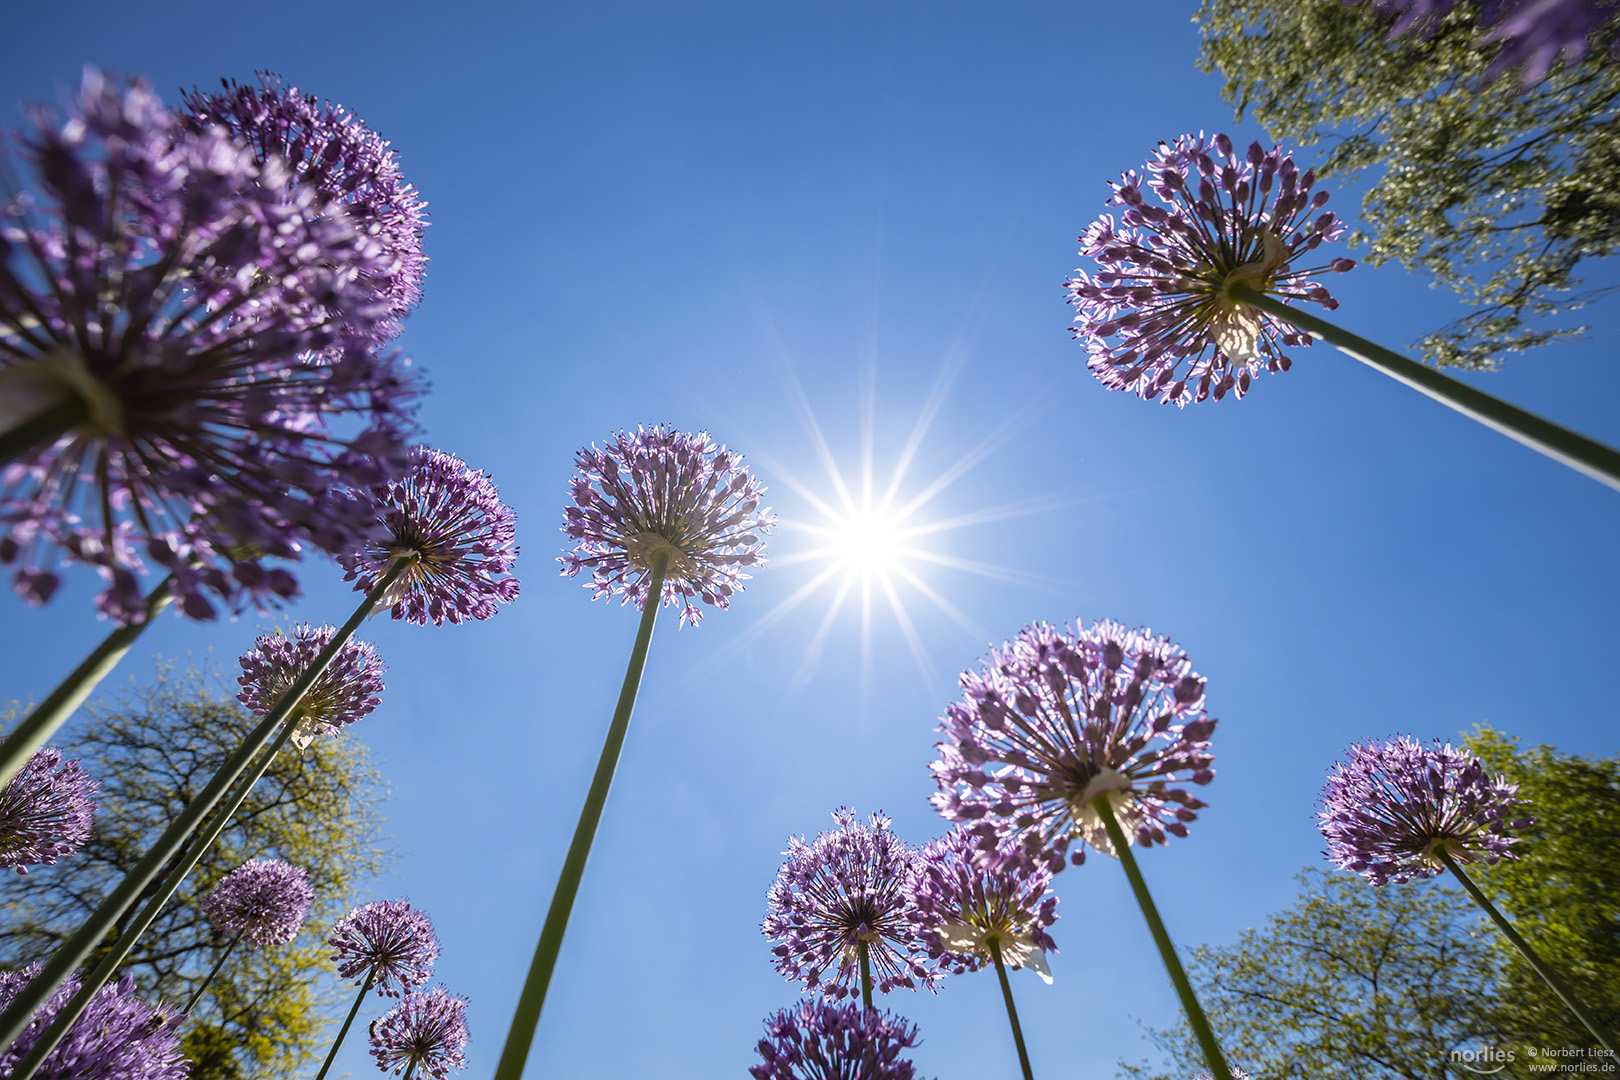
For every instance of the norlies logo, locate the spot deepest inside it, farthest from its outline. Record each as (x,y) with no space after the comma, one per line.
(1483,1060)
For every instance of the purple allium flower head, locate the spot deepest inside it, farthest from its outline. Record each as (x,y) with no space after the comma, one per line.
(1423,16)
(846,887)
(329,149)
(663,490)
(1056,719)
(119,1037)
(1159,298)
(169,284)
(46,811)
(1237,1074)
(963,897)
(822,1041)
(264,900)
(451,518)
(1533,34)
(1389,808)
(390,938)
(426,1032)
(346,691)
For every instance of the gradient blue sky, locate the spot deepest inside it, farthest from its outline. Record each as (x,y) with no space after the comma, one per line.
(753,218)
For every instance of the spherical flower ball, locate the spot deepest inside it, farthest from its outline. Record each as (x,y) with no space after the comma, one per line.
(328,148)
(450,522)
(822,1041)
(846,888)
(46,811)
(425,1033)
(964,898)
(664,491)
(1391,807)
(263,900)
(159,291)
(118,1037)
(1056,719)
(1157,318)
(345,692)
(388,942)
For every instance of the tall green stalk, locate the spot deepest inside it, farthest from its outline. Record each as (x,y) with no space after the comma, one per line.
(1161,937)
(526,1018)
(1012,1012)
(1601,463)
(866,973)
(198,993)
(1542,968)
(117,904)
(35,731)
(348,1021)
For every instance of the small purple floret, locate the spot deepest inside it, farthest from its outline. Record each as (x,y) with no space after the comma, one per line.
(663,490)
(387,939)
(1054,720)
(822,1041)
(1392,805)
(962,897)
(119,1037)
(846,887)
(46,811)
(1159,299)
(264,900)
(345,692)
(463,539)
(425,1033)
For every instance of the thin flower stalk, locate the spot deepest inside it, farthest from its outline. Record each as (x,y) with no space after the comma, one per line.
(224,955)
(348,1022)
(1012,1010)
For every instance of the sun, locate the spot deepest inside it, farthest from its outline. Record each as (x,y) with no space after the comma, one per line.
(867,542)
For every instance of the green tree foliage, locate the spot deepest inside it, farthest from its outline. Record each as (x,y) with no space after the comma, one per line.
(153,752)
(1497,193)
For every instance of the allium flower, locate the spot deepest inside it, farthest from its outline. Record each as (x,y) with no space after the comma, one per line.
(1057,718)
(345,692)
(1533,33)
(963,897)
(328,148)
(662,490)
(119,1037)
(846,888)
(45,811)
(388,938)
(156,295)
(1389,809)
(462,536)
(264,900)
(1237,1074)
(821,1041)
(426,1032)
(1161,290)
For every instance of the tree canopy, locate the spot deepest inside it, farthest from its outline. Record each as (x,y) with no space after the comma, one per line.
(1498,193)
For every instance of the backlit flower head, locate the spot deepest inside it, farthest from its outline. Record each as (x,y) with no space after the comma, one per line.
(846,887)
(1054,720)
(166,290)
(345,692)
(46,811)
(1392,805)
(822,1041)
(264,900)
(329,149)
(450,520)
(1156,318)
(663,490)
(119,1037)
(964,897)
(426,1033)
(387,938)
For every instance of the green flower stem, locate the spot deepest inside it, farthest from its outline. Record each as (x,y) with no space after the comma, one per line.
(1601,463)
(48,715)
(43,429)
(1161,938)
(515,1054)
(117,904)
(1012,1012)
(866,974)
(348,1021)
(192,1004)
(1543,969)
(409,1068)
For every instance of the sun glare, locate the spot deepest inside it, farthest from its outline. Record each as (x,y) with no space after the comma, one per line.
(867,542)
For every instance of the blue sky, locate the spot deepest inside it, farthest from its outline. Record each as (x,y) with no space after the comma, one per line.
(746,217)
